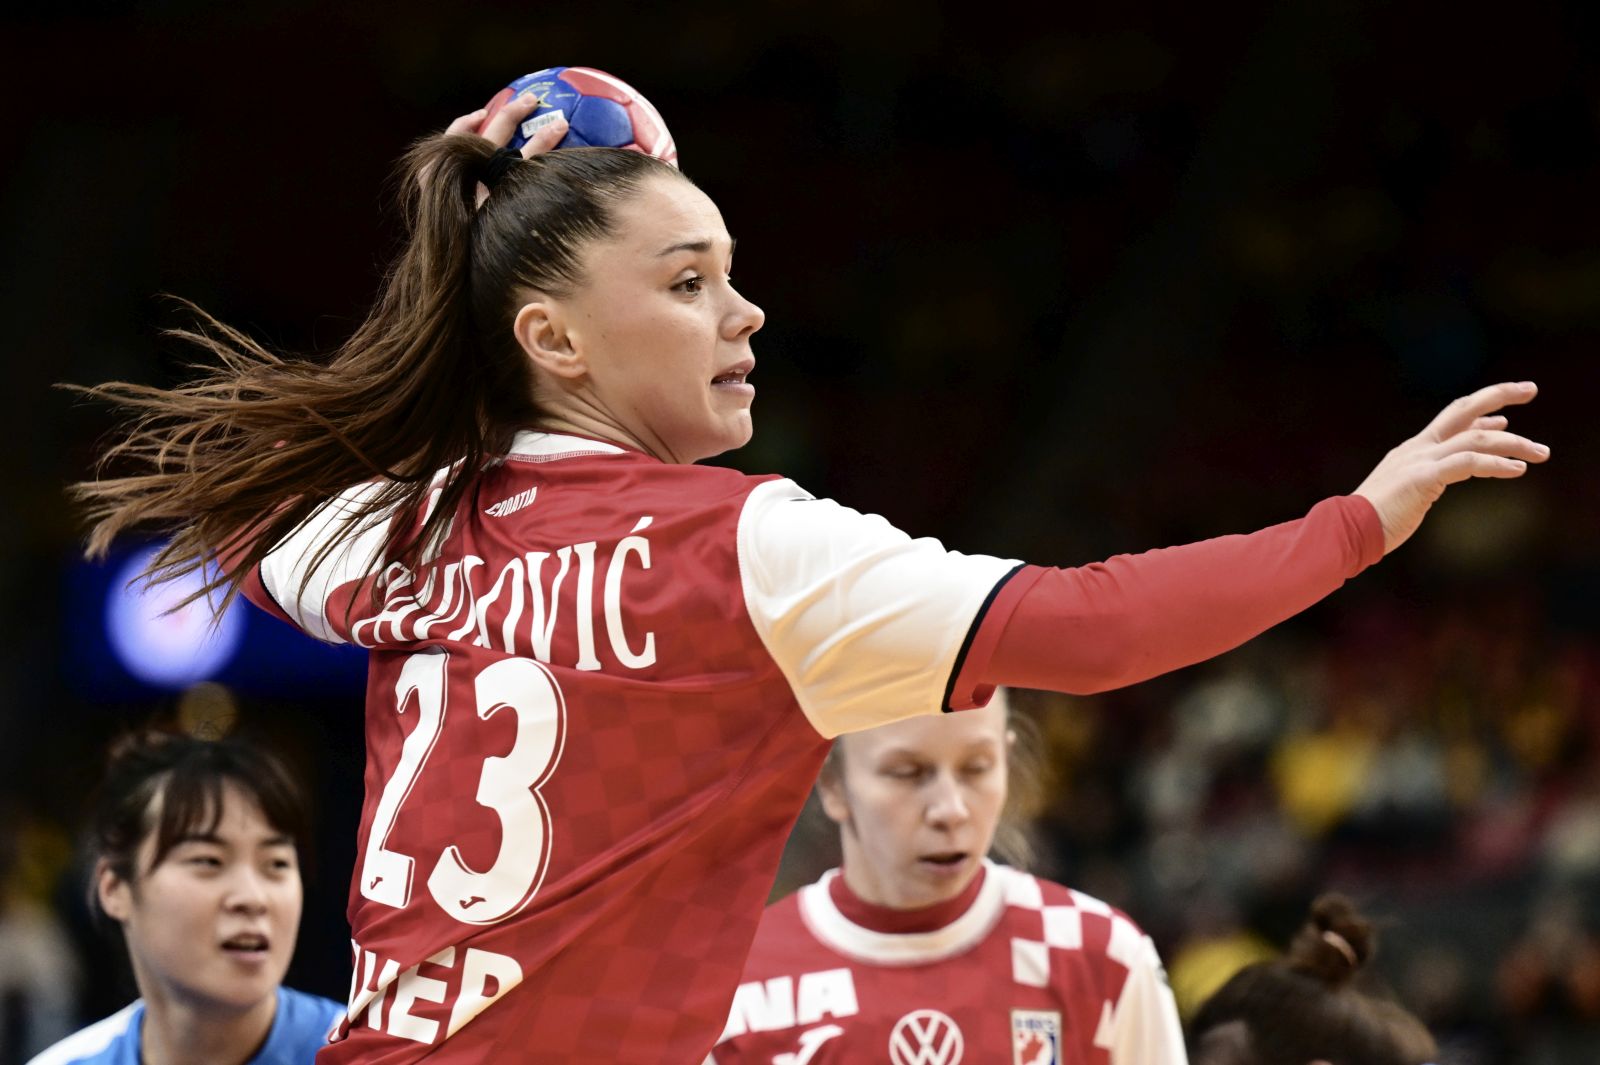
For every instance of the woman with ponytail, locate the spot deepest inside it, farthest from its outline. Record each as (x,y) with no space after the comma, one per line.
(1304,1010)
(603,677)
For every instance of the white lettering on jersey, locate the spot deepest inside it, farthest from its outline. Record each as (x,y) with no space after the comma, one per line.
(508,785)
(518,609)
(480,967)
(412,986)
(831,993)
(544,616)
(782,1002)
(761,1007)
(811,1041)
(482,977)
(926,1037)
(637,545)
(510,582)
(585,553)
(512,505)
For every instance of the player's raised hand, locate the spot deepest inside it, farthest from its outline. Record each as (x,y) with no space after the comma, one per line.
(1467,439)
(498,124)
(498,128)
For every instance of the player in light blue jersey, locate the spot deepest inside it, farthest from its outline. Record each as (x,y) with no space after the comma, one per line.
(196,846)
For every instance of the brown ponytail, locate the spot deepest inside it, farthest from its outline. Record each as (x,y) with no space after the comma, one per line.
(1334,944)
(1303,1008)
(432,380)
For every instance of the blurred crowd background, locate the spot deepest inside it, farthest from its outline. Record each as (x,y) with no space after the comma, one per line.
(1053,286)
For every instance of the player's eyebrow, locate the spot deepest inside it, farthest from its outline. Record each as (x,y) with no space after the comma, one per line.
(281,839)
(698,246)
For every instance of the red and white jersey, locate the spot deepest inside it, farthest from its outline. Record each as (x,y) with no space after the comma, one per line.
(1019,971)
(592,717)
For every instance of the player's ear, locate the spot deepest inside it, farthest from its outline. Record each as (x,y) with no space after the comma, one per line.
(830,787)
(542,329)
(115,894)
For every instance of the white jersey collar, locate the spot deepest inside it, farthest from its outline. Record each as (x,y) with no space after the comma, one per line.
(530,445)
(833,929)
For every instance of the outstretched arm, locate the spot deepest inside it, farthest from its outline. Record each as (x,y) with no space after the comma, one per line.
(1093,628)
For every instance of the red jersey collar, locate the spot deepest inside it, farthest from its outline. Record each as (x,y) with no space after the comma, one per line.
(899,922)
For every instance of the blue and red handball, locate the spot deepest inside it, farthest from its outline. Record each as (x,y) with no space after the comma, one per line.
(602,111)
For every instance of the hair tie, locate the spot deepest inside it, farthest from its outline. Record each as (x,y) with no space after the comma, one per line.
(1342,945)
(500,162)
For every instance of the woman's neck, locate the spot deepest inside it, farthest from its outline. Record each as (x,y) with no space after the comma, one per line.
(176,1031)
(583,415)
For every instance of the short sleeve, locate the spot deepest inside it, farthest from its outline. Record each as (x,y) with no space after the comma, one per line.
(867,624)
(1145,1025)
(354,558)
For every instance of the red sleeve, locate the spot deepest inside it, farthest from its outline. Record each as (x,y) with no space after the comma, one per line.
(250,585)
(1133,617)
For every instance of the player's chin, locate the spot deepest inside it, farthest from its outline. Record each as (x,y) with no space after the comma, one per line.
(735,430)
(236,992)
(727,435)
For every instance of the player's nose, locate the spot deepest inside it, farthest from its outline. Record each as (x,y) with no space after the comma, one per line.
(246,892)
(946,803)
(743,318)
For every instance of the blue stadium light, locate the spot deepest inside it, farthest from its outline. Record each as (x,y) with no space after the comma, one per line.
(161,646)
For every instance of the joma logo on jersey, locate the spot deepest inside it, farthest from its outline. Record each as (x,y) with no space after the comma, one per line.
(512,505)
(784,1002)
(1035,1037)
(926,1037)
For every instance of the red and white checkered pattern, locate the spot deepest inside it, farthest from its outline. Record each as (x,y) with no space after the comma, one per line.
(1025,948)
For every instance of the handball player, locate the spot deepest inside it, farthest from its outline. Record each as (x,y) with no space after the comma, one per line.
(603,677)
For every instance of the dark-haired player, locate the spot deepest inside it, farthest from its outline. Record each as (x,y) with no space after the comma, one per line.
(1304,1009)
(196,859)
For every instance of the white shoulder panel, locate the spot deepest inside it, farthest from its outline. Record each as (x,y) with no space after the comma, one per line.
(284,570)
(1145,1026)
(865,622)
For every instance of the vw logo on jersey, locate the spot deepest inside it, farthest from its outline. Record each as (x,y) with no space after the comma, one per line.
(1035,1037)
(926,1037)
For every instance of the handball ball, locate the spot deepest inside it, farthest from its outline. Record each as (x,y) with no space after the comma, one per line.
(602,111)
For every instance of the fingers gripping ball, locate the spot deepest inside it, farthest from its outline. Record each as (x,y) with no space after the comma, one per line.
(601,110)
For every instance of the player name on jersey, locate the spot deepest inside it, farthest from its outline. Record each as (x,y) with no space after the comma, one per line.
(383,998)
(516,609)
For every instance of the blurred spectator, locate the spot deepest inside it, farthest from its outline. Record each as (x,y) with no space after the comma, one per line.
(39,971)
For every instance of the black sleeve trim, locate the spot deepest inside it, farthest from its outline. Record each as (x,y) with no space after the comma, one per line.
(972,634)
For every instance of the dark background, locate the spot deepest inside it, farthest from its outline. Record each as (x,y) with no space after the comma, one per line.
(1053,286)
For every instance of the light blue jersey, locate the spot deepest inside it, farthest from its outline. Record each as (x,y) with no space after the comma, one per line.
(299,1029)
